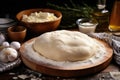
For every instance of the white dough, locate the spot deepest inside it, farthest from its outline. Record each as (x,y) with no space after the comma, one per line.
(63,45)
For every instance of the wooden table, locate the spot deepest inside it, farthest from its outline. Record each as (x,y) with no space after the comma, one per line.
(22,70)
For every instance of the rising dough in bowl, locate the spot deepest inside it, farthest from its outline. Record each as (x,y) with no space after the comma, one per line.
(64,45)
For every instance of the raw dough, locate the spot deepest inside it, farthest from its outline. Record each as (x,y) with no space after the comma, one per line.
(64,45)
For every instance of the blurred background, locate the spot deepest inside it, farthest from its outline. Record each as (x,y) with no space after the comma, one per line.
(71,9)
(9,8)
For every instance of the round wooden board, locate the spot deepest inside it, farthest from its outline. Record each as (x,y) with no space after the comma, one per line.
(71,71)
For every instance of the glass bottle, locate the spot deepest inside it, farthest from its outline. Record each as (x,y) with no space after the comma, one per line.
(114,24)
(102,15)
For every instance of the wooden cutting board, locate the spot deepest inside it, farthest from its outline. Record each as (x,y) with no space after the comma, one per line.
(68,72)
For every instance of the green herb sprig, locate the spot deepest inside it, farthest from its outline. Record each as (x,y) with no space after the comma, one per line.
(72,13)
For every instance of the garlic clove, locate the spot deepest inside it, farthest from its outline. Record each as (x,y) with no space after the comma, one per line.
(13,54)
(2,38)
(5,44)
(3,57)
(16,45)
(12,57)
(1,47)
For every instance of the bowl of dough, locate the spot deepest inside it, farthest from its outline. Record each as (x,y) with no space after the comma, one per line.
(40,20)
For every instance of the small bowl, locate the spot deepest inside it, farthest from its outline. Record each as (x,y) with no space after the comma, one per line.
(40,27)
(86,25)
(17,33)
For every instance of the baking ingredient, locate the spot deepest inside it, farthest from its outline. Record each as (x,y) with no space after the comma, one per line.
(29,53)
(66,45)
(87,27)
(39,17)
(115,17)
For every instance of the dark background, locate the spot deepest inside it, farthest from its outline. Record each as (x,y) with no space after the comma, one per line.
(9,8)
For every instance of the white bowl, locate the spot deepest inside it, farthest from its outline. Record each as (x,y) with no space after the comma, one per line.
(86,25)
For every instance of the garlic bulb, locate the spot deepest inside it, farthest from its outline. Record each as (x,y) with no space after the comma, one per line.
(16,45)
(8,54)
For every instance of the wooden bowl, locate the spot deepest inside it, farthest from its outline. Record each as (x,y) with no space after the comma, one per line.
(69,71)
(17,33)
(40,27)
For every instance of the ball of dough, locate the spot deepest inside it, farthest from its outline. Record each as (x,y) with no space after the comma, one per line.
(63,45)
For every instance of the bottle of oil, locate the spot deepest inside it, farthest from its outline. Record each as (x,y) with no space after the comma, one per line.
(114,24)
(102,16)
